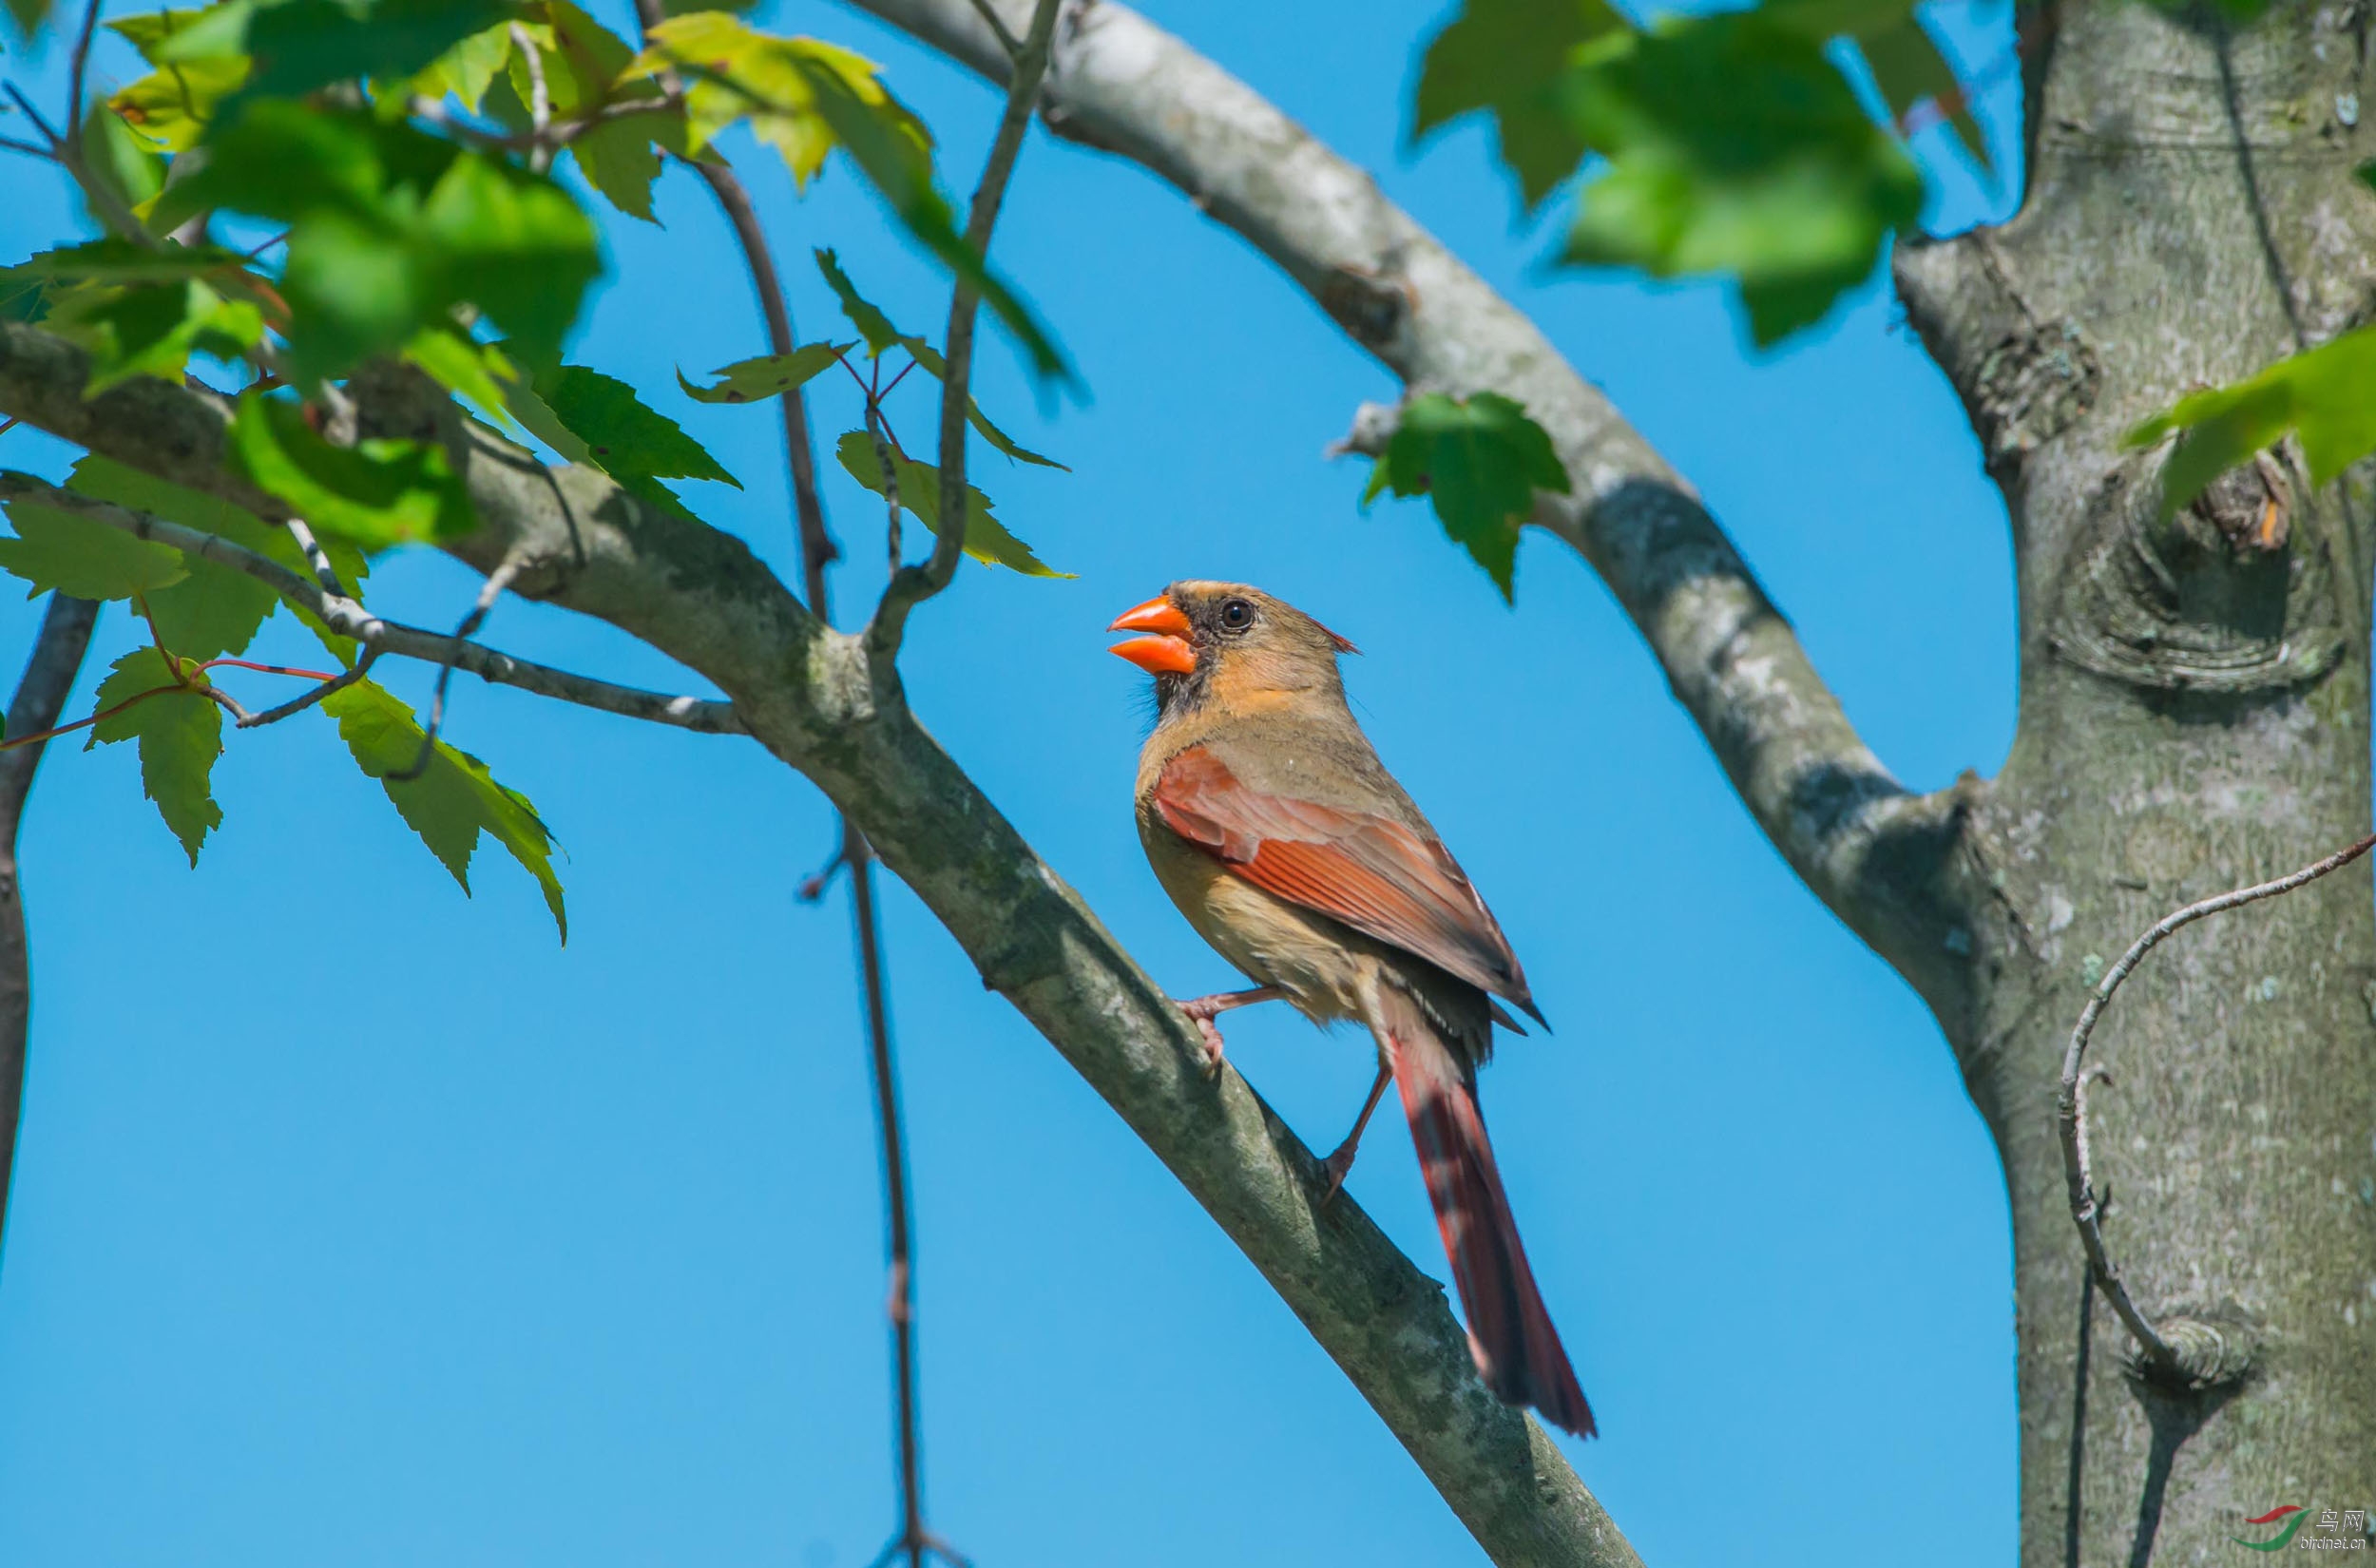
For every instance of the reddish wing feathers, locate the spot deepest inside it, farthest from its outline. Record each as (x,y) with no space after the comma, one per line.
(1370,873)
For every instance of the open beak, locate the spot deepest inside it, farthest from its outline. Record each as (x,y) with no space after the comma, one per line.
(1168,651)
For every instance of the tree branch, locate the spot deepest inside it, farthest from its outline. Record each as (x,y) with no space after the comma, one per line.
(809,693)
(1868,846)
(348,618)
(48,676)
(817,550)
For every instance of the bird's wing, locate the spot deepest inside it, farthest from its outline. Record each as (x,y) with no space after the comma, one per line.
(1370,871)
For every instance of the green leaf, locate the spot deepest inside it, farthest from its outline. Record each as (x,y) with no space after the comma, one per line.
(188,626)
(29,16)
(879,334)
(299,46)
(455,799)
(171,108)
(113,260)
(180,734)
(514,243)
(1735,146)
(120,162)
(464,366)
(622,437)
(986,539)
(540,422)
(214,609)
(2323,396)
(1479,460)
(1818,21)
(391,229)
(769,376)
(735,73)
(57,551)
(871,323)
(104,479)
(468,68)
(26,296)
(1510,57)
(1910,70)
(585,61)
(152,328)
(376,493)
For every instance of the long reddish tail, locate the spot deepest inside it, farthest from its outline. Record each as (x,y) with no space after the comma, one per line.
(1518,1351)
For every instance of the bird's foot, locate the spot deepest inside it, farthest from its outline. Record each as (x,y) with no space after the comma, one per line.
(1202,1019)
(1337,1167)
(1201,1010)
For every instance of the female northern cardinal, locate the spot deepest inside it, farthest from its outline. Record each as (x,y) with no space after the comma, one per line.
(1271,822)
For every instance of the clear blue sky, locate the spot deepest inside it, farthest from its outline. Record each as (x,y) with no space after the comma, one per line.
(358,1222)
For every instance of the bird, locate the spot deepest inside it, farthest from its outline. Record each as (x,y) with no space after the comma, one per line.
(1269,820)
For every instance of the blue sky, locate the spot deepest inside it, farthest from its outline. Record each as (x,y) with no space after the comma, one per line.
(357,1221)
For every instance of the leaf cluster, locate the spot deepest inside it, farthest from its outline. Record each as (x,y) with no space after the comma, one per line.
(1735,143)
(424,169)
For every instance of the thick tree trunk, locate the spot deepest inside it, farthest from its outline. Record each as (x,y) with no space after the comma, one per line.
(2194,716)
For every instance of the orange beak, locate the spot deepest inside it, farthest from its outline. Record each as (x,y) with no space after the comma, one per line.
(1168,652)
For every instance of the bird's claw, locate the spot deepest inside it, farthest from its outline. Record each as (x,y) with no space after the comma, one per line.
(1336,1168)
(1212,1033)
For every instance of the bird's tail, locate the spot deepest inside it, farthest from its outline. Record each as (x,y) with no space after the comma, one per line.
(1517,1350)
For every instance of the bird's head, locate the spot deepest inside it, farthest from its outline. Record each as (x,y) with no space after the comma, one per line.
(1227,643)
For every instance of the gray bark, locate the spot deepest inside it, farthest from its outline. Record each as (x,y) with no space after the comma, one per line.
(2194,717)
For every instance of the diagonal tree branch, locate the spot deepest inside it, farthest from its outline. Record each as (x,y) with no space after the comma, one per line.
(1871,850)
(48,676)
(810,695)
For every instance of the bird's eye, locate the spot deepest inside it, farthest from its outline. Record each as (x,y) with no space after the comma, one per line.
(1237,614)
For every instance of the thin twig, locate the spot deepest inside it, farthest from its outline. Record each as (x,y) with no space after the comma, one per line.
(488,592)
(891,477)
(316,557)
(539,98)
(812,887)
(25,105)
(227,662)
(57,657)
(913,1539)
(2070,1104)
(347,618)
(105,202)
(999,29)
(244,720)
(912,586)
(76,75)
(360,668)
(11,145)
(817,550)
(554,137)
